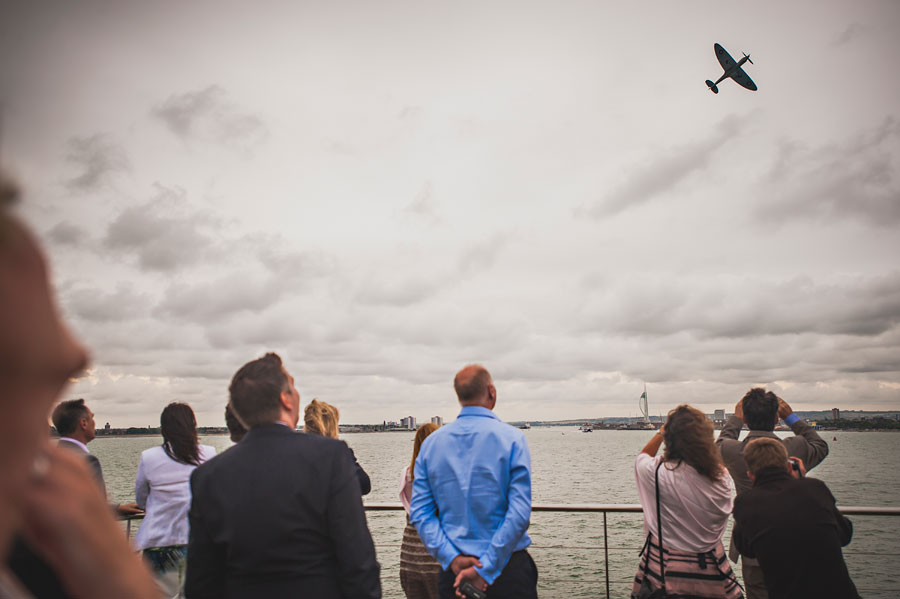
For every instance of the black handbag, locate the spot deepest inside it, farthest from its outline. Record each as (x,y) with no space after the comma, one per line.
(646,591)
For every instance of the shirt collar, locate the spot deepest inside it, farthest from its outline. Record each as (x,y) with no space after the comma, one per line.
(468,411)
(76,442)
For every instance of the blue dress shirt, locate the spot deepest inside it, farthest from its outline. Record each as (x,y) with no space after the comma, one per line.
(472,491)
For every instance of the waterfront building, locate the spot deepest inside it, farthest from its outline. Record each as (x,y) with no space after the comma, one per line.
(835,414)
(719,416)
(437,420)
(409,423)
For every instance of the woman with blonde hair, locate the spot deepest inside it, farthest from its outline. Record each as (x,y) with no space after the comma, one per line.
(320,418)
(687,498)
(418,570)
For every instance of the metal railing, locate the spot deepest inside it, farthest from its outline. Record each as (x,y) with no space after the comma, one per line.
(603,508)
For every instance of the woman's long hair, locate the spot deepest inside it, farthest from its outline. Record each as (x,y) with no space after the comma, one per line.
(689,439)
(179,431)
(320,418)
(422,432)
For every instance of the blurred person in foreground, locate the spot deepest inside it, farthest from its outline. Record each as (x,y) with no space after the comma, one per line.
(760,410)
(320,418)
(280,513)
(695,499)
(418,570)
(471,501)
(792,525)
(162,489)
(48,494)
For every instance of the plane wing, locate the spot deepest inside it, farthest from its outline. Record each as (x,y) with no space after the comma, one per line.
(725,58)
(743,79)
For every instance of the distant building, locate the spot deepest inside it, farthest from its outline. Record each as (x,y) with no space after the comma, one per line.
(437,420)
(835,414)
(107,428)
(719,416)
(409,423)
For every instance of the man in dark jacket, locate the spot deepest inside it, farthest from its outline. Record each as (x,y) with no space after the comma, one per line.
(792,526)
(280,513)
(760,410)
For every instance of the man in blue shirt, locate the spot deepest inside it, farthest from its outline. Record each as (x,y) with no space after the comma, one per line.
(471,499)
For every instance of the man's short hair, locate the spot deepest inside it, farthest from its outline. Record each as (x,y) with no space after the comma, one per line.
(474,387)
(765,453)
(255,391)
(68,414)
(760,409)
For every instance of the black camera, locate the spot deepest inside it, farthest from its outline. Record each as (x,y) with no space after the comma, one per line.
(470,592)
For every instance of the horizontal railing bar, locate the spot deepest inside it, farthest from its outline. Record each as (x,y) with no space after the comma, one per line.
(849,510)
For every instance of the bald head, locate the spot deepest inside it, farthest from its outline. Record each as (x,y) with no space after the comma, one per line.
(474,386)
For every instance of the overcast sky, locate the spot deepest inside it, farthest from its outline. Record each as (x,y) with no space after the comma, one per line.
(383,192)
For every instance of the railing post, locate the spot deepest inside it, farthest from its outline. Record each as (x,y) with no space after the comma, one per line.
(606,554)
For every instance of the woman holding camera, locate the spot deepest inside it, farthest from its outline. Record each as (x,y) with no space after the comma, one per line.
(691,490)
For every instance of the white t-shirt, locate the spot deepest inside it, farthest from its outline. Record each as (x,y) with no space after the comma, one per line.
(694,509)
(163,489)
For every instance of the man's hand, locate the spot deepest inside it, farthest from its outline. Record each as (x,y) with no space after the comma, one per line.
(473,577)
(739,408)
(461,562)
(129,509)
(784,410)
(800,470)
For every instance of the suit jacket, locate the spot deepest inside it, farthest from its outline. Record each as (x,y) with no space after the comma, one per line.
(280,515)
(796,531)
(92,461)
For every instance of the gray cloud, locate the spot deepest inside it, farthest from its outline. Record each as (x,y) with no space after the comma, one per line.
(67,234)
(207,114)
(97,159)
(665,171)
(734,308)
(852,32)
(424,205)
(163,234)
(857,179)
(95,305)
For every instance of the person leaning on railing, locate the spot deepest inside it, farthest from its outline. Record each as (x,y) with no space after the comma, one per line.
(695,500)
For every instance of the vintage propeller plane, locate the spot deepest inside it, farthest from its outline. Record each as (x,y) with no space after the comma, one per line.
(732,69)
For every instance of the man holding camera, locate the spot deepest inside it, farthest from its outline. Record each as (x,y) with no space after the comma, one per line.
(792,526)
(471,501)
(760,410)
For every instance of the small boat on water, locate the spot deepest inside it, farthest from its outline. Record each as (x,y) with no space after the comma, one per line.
(525,426)
(587,428)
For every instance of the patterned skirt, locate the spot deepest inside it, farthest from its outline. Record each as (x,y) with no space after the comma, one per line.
(418,570)
(688,575)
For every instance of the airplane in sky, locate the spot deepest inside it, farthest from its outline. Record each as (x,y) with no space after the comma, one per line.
(732,69)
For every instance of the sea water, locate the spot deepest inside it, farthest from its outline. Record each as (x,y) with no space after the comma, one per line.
(571,467)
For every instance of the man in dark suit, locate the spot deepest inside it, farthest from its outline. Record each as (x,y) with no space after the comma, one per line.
(280,513)
(74,422)
(792,526)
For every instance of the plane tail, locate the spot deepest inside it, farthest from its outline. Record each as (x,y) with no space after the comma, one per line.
(712,86)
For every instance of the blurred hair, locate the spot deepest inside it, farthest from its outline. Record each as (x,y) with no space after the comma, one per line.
(68,414)
(689,439)
(178,426)
(320,418)
(421,433)
(765,453)
(255,391)
(235,428)
(470,388)
(760,409)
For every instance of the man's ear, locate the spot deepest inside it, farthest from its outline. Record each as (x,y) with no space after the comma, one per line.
(285,399)
(751,476)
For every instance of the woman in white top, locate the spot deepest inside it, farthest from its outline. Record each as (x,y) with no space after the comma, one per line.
(162,490)
(695,500)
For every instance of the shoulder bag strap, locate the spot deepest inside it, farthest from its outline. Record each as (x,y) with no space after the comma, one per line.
(662,570)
